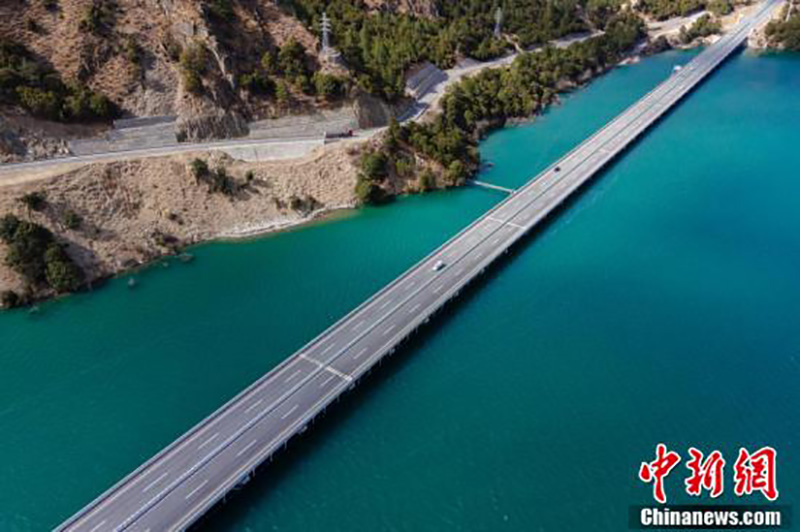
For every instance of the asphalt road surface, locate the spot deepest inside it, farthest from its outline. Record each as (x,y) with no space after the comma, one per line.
(178,485)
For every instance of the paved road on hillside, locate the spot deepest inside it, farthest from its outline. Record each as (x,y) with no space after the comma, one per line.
(178,485)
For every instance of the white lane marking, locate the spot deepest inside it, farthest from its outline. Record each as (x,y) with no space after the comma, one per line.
(496,240)
(438,289)
(253,406)
(358,325)
(326,381)
(290,411)
(388,330)
(97,526)
(416,308)
(329,348)
(410,284)
(388,301)
(209,440)
(360,353)
(293,375)
(194,491)
(512,224)
(246,448)
(495,220)
(480,254)
(343,376)
(156,481)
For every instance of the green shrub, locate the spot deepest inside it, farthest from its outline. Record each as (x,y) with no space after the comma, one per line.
(427,180)
(194,64)
(10,299)
(257,83)
(34,253)
(328,86)
(221,10)
(34,201)
(62,274)
(72,220)
(199,169)
(374,165)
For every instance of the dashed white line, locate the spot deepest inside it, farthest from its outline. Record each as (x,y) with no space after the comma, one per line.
(358,325)
(438,289)
(156,481)
(194,491)
(416,308)
(388,330)
(209,440)
(326,381)
(290,411)
(360,353)
(386,304)
(254,405)
(329,348)
(293,375)
(246,448)
(97,526)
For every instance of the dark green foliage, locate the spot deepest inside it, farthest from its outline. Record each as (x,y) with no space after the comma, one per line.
(703,27)
(199,169)
(494,95)
(34,201)
(257,83)
(220,181)
(217,181)
(381,47)
(133,52)
(34,253)
(664,9)
(328,86)
(194,64)
(221,10)
(27,82)
(269,62)
(786,33)
(283,93)
(72,220)
(98,17)
(62,274)
(427,180)
(600,12)
(292,60)
(10,299)
(720,7)
(374,165)
(368,192)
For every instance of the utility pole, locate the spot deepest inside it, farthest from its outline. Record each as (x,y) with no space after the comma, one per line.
(326,33)
(498,22)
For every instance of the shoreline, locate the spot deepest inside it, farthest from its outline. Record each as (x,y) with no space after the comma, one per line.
(121,261)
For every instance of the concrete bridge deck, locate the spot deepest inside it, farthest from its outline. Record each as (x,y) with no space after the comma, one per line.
(178,485)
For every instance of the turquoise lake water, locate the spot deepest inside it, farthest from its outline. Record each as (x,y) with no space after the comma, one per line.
(662,306)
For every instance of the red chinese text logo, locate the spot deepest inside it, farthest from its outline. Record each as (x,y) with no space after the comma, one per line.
(756,472)
(753,472)
(658,469)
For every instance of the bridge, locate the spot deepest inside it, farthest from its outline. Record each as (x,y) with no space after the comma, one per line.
(178,485)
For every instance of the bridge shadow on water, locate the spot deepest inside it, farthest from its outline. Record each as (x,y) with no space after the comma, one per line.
(269,476)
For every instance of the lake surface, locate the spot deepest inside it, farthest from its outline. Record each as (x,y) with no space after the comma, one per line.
(662,306)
